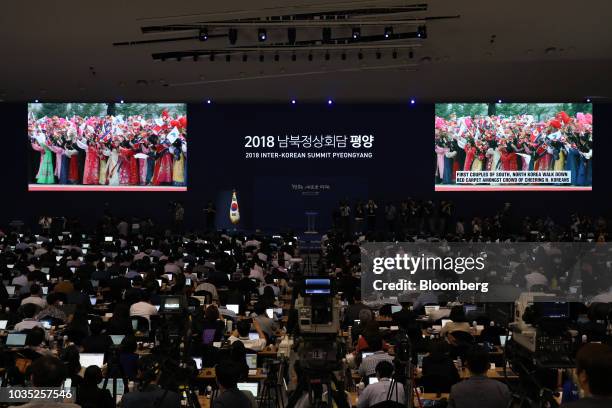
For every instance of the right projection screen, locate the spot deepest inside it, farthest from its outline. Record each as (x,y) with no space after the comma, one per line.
(513,146)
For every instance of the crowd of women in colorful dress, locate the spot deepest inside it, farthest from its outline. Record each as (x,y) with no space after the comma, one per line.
(110,150)
(497,143)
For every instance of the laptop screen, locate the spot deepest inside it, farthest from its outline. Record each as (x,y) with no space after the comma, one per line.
(431,308)
(251,360)
(248,386)
(89,359)
(3,324)
(253,336)
(395,309)
(117,338)
(233,308)
(15,339)
(10,290)
(198,361)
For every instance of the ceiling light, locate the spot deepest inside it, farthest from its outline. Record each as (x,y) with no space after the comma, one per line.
(388,32)
(356,33)
(262,34)
(203,34)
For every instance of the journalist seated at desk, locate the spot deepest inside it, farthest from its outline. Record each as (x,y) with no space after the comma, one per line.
(594,375)
(478,390)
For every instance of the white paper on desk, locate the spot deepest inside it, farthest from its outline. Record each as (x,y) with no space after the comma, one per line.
(217,344)
(492,366)
(479,327)
(392,328)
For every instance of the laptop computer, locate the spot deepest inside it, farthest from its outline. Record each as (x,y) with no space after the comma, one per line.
(251,360)
(89,359)
(253,387)
(233,308)
(117,338)
(15,340)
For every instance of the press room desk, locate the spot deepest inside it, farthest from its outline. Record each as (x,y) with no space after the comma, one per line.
(210,374)
(496,374)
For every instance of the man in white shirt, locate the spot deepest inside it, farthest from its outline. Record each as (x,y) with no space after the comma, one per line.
(242,333)
(29,322)
(21,280)
(143,308)
(34,297)
(535,278)
(377,392)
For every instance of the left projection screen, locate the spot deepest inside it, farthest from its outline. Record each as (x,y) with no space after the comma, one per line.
(107,147)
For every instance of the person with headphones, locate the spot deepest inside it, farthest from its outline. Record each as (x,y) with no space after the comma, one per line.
(149,393)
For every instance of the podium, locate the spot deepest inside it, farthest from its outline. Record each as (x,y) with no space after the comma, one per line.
(311,220)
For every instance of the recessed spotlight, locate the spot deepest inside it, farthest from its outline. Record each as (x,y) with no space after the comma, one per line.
(388,32)
(588,100)
(293,102)
(499,101)
(329,102)
(121,101)
(203,34)
(36,100)
(412,101)
(356,33)
(262,34)
(208,101)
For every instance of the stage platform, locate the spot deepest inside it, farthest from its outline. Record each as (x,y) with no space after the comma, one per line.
(455,187)
(63,187)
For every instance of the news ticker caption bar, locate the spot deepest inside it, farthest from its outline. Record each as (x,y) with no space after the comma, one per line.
(485,272)
(26,394)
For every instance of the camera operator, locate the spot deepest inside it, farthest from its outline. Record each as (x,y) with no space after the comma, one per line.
(593,368)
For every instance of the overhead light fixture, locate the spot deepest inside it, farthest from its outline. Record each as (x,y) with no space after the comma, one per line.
(388,32)
(208,101)
(203,34)
(262,34)
(412,101)
(356,33)
(291,35)
(326,35)
(588,100)
(36,100)
(422,32)
(499,101)
(121,101)
(233,36)
(293,102)
(329,102)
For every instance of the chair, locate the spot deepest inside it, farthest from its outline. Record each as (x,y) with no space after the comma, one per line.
(206,294)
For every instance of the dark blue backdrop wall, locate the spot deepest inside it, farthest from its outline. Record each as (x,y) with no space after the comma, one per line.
(402,167)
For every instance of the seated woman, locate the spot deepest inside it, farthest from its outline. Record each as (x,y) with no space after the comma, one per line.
(458,322)
(88,393)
